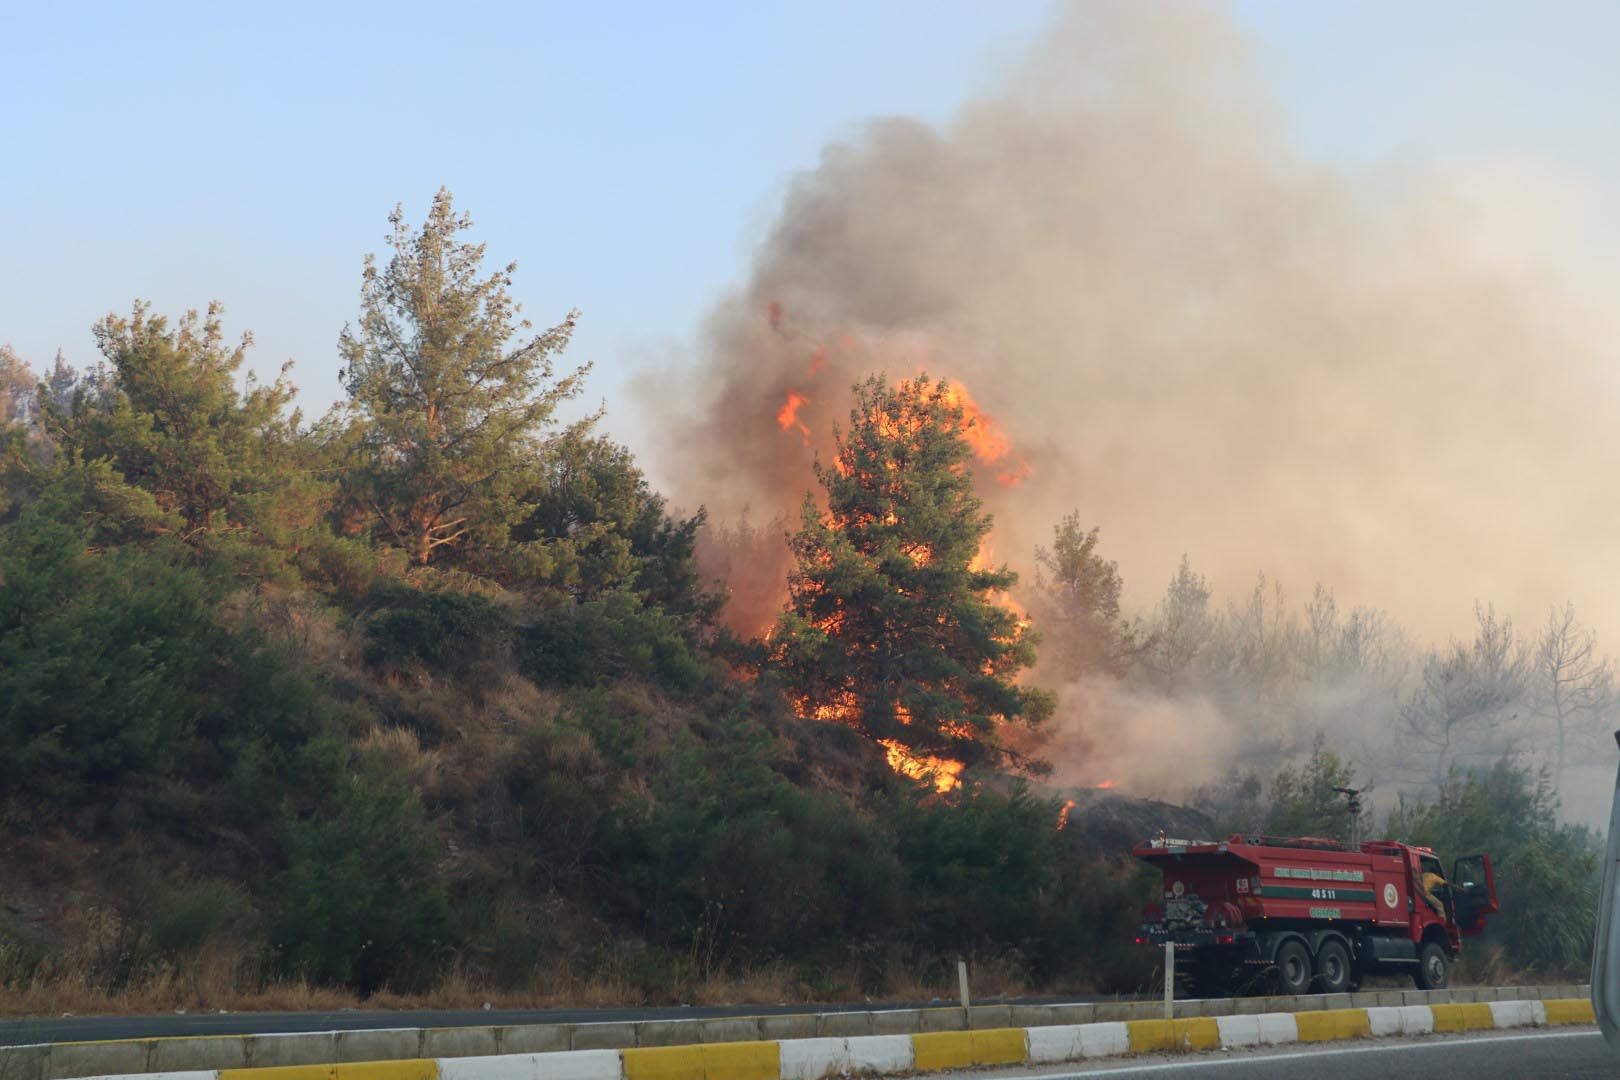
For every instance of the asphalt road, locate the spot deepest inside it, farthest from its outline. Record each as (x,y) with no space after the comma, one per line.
(91,1028)
(1544,1055)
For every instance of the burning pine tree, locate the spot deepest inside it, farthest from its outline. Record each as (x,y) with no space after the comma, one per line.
(893,627)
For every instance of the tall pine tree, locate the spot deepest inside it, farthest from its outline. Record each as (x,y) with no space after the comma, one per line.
(450,400)
(225,459)
(891,626)
(1077,604)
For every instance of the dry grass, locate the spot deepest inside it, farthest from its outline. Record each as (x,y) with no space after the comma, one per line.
(402,749)
(988,978)
(769,985)
(229,978)
(299,622)
(230,982)
(1488,965)
(512,703)
(205,989)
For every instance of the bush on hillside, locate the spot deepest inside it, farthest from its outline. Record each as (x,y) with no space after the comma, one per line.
(442,632)
(980,867)
(122,694)
(359,903)
(560,787)
(728,862)
(609,638)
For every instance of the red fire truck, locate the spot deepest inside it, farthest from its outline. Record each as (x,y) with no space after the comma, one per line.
(1309,915)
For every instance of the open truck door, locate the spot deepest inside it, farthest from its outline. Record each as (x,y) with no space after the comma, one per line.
(1473,893)
(1606,941)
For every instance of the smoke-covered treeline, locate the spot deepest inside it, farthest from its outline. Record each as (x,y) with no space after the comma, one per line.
(1182,323)
(1193,690)
(1169,315)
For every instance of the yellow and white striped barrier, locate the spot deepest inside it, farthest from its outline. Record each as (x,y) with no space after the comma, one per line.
(894,1055)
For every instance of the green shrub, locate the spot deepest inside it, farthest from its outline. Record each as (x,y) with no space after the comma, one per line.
(725,860)
(444,632)
(980,866)
(559,785)
(186,917)
(359,903)
(512,941)
(617,724)
(346,566)
(121,692)
(171,917)
(609,638)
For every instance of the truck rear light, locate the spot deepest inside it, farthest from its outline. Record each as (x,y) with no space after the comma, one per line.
(1141,941)
(1223,939)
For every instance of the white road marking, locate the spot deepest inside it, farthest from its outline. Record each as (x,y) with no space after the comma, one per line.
(1248,1061)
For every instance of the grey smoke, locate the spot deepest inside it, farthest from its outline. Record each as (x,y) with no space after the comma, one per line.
(1200,338)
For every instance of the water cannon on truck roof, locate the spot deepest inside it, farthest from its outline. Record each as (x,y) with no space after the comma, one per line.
(1311,915)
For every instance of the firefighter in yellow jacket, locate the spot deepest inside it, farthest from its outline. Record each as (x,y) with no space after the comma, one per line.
(1429,882)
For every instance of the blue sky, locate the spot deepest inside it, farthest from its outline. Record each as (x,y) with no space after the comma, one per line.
(628,156)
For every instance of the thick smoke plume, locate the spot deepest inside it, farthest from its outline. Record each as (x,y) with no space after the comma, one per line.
(1203,341)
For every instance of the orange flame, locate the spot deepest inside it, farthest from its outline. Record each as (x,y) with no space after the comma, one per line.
(978,429)
(1105,785)
(787,417)
(1014,476)
(1063,814)
(985,559)
(943,773)
(981,432)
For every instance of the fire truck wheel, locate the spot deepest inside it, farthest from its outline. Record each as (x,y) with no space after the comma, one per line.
(1431,973)
(1293,968)
(1332,968)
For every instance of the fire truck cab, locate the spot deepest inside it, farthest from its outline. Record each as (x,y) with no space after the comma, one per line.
(1309,915)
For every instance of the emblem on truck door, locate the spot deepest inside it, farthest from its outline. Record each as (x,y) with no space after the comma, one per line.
(1390,896)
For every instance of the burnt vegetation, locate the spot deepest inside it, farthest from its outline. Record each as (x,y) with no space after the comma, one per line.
(433,695)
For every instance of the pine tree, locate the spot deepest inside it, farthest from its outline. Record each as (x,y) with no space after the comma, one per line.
(449,410)
(18,389)
(228,467)
(892,627)
(18,428)
(595,525)
(62,383)
(1078,605)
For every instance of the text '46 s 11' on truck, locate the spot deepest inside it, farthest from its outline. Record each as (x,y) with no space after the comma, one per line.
(1311,916)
